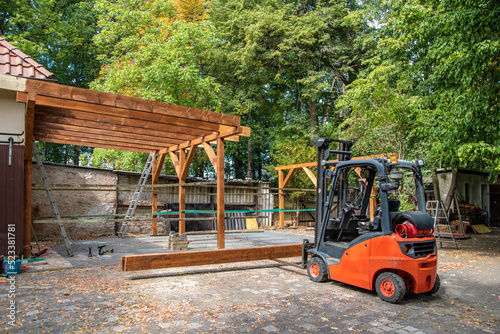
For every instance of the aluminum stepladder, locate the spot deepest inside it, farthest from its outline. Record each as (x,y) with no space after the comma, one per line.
(53,203)
(137,194)
(438,213)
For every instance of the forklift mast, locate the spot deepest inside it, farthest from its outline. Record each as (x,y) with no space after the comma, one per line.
(324,152)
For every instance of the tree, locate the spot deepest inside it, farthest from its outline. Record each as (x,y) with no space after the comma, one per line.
(445,56)
(152,50)
(284,63)
(58,35)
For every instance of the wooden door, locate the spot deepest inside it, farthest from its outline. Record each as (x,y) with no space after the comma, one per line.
(495,204)
(11,198)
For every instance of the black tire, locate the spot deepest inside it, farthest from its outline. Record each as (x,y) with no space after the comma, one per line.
(390,287)
(435,288)
(316,269)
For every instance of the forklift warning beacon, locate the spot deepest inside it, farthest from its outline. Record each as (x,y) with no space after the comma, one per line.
(393,252)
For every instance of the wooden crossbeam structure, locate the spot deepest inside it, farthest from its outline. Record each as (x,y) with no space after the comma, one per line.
(76,116)
(284,179)
(207,257)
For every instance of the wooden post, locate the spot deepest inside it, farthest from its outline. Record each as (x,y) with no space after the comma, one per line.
(282,184)
(29,123)
(182,193)
(281,198)
(157,165)
(220,195)
(373,202)
(181,165)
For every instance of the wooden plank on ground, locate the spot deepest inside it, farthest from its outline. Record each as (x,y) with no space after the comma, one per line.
(480,228)
(215,256)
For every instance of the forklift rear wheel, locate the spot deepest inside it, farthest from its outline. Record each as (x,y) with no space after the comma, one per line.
(316,269)
(435,288)
(390,287)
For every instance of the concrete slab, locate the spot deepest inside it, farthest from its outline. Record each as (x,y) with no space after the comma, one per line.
(159,244)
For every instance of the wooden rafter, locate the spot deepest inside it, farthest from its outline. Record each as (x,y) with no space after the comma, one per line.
(71,115)
(51,89)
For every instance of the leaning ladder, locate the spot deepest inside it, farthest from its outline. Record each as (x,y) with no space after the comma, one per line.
(52,199)
(137,194)
(438,213)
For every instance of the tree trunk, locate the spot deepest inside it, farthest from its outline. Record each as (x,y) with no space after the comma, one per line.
(76,156)
(313,116)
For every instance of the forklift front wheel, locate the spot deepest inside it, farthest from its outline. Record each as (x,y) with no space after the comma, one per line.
(316,269)
(390,287)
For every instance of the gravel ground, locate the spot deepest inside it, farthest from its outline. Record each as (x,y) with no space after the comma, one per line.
(256,297)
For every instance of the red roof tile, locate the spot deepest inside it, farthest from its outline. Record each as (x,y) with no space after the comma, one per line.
(15,62)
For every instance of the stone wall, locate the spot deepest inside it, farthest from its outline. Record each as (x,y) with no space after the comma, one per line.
(84,206)
(73,203)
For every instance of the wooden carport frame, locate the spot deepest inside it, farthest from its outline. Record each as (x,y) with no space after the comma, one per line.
(283,181)
(70,115)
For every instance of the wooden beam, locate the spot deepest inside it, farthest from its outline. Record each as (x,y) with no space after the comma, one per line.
(245,133)
(98,109)
(373,202)
(157,165)
(89,135)
(29,123)
(76,94)
(221,239)
(216,256)
(311,175)
(211,154)
(314,164)
(201,140)
(106,145)
(93,143)
(182,192)
(131,133)
(288,177)
(117,122)
(189,159)
(175,162)
(281,198)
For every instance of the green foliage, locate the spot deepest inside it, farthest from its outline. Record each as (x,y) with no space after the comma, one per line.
(382,112)
(64,154)
(439,90)
(282,65)
(147,53)
(422,76)
(119,160)
(57,34)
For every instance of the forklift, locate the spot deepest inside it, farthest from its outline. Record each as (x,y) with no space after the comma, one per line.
(384,249)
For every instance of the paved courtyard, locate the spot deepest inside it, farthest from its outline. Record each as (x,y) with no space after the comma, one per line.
(255,297)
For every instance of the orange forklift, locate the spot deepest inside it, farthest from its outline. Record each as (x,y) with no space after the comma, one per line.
(393,252)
